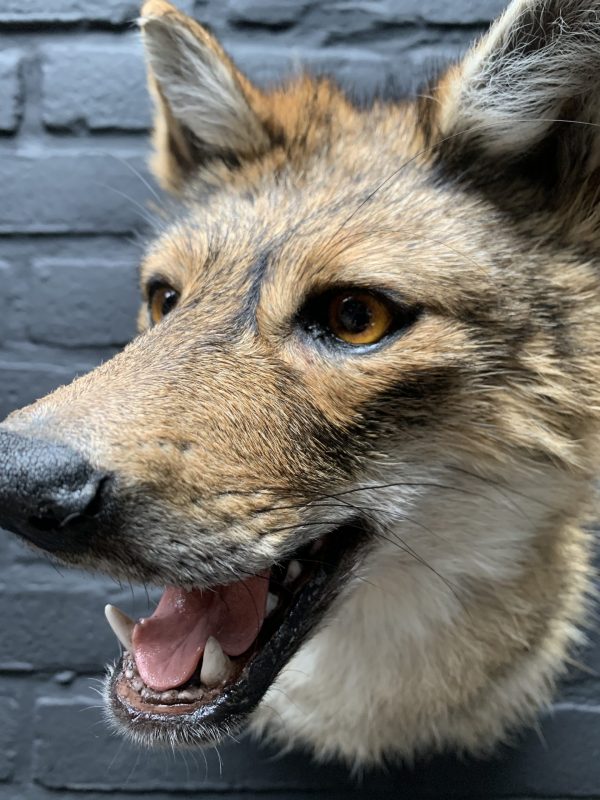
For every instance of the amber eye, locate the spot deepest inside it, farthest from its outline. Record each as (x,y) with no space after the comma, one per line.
(358,317)
(162,299)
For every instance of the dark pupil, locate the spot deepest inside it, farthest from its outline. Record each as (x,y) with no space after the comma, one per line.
(169,301)
(355,315)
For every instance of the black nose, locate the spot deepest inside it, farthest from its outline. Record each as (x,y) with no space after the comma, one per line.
(48,492)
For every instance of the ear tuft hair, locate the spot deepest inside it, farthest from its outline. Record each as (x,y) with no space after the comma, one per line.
(204,105)
(539,63)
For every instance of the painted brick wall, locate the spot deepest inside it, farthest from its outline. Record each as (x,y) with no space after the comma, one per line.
(73,210)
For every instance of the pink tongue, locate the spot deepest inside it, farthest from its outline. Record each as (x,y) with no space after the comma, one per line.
(168,645)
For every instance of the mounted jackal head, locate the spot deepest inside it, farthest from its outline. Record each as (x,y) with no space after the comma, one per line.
(357,434)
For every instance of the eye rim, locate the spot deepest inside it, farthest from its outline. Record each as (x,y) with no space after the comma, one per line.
(313,317)
(153,291)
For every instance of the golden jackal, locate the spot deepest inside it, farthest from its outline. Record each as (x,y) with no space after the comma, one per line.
(357,436)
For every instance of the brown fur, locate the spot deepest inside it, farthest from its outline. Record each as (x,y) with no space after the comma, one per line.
(228,427)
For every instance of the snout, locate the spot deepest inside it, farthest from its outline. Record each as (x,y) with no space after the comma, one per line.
(49,493)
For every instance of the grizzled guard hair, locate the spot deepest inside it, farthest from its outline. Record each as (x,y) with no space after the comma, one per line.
(357,435)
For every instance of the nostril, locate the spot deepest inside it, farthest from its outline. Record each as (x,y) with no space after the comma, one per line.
(48,491)
(94,507)
(48,523)
(85,502)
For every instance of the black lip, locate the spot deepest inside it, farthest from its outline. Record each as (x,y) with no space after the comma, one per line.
(206,724)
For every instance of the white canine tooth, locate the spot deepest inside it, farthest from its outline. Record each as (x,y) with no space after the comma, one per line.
(129,674)
(293,571)
(137,684)
(216,666)
(122,625)
(272,603)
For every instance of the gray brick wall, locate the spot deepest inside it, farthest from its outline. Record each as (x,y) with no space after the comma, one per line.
(74,209)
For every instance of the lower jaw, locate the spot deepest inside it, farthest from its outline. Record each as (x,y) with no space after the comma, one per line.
(188,697)
(185,719)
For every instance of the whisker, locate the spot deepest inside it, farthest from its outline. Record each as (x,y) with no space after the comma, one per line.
(410,551)
(436,144)
(358,235)
(138,175)
(142,211)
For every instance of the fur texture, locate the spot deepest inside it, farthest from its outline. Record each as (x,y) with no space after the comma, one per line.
(468,443)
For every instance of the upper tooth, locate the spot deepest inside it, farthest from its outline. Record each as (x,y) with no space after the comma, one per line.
(216,666)
(272,602)
(294,569)
(121,624)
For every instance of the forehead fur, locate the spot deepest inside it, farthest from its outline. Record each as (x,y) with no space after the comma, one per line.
(323,209)
(401,197)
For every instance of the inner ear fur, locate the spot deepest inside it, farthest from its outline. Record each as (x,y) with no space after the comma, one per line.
(526,95)
(205,108)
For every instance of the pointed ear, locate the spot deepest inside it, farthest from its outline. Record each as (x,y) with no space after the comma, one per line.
(540,63)
(204,107)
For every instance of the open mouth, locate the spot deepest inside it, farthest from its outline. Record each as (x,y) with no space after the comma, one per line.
(195,669)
